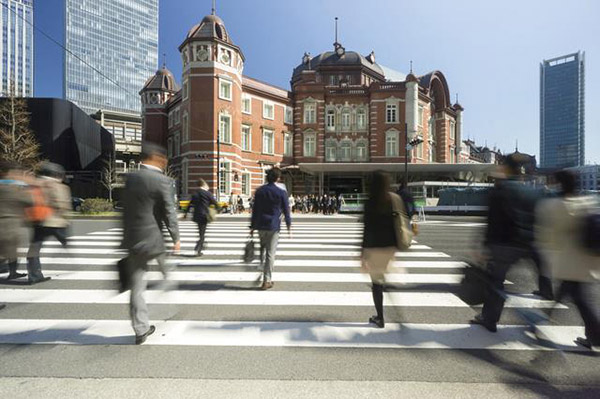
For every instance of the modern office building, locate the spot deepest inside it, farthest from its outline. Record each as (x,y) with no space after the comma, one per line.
(16,46)
(119,38)
(562,111)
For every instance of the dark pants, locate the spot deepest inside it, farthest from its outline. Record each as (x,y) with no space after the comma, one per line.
(503,257)
(201,233)
(40,234)
(576,291)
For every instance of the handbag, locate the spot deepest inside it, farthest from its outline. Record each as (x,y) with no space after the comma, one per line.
(404,233)
(211,215)
(475,285)
(249,255)
(125,272)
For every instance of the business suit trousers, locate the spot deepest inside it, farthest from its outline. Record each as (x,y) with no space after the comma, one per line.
(138,309)
(201,234)
(40,234)
(268,248)
(578,293)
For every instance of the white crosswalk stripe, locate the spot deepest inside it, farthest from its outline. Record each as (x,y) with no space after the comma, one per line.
(318,268)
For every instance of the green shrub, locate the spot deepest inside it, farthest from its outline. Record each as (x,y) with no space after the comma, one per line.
(96,205)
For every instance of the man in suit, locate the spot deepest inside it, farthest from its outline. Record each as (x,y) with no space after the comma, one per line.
(148,195)
(270,202)
(200,202)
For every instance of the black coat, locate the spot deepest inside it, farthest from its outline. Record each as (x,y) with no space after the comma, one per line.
(200,202)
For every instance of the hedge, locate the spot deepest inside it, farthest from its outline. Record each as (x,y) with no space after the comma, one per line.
(96,205)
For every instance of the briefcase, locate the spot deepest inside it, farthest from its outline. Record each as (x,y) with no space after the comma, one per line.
(125,274)
(249,251)
(475,285)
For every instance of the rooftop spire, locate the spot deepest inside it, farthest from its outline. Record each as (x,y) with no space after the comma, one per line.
(164,60)
(411,66)
(214,7)
(457,98)
(336,29)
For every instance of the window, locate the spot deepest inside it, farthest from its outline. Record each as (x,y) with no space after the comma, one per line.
(268,110)
(268,144)
(288,144)
(225,89)
(246,183)
(225,128)
(170,147)
(331,119)
(420,150)
(346,151)
(452,155)
(171,117)
(332,80)
(225,177)
(289,115)
(391,144)
(310,113)
(185,128)
(453,130)
(246,138)
(361,151)
(176,145)
(346,119)
(309,145)
(246,104)
(185,89)
(184,176)
(361,118)
(391,114)
(330,149)
(420,117)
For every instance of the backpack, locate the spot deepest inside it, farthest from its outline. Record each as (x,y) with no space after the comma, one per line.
(39,211)
(591,232)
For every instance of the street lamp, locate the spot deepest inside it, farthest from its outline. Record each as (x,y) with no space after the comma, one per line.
(409,146)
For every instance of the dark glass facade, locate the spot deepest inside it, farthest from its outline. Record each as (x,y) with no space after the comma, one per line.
(562,116)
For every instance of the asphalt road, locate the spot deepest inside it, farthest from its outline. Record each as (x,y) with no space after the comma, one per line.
(465,371)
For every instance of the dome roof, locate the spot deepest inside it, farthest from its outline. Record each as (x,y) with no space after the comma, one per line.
(210,27)
(162,80)
(330,58)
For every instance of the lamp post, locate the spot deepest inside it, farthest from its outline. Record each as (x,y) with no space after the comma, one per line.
(218,165)
(409,146)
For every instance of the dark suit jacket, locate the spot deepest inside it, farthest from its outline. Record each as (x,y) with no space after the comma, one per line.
(200,202)
(148,195)
(269,203)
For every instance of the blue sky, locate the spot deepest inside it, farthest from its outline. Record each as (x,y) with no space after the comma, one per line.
(489,51)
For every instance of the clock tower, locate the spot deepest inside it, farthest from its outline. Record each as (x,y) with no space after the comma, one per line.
(210,102)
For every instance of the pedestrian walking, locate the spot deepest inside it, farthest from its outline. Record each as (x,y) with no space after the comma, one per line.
(52,202)
(14,198)
(509,237)
(233,203)
(201,201)
(292,202)
(270,202)
(385,231)
(148,193)
(559,234)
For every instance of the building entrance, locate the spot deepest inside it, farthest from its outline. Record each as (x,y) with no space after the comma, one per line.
(344,185)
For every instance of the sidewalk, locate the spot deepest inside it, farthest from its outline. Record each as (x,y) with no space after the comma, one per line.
(111,388)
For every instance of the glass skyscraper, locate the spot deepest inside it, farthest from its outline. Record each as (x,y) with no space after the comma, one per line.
(16,44)
(120,39)
(562,111)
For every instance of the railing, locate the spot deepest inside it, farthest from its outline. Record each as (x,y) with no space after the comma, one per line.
(349,91)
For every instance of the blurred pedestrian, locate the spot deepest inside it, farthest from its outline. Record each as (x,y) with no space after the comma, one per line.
(292,203)
(233,203)
(52,202)
(385,228)
(14,198)
(148,192)
(559,233)
(509,236)
(269,203)
(201,201)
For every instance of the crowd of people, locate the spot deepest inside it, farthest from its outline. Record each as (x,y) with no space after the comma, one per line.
(323,204)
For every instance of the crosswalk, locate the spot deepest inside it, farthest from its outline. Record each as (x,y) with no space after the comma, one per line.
(320,298)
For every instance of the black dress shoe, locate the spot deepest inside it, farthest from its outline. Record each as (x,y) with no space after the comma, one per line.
(15,275)
(545,295)
(33,282)
(140,339)
(2,306)
(491,327)
(377,321)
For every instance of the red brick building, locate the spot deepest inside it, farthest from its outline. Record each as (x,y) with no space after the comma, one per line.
(344,110)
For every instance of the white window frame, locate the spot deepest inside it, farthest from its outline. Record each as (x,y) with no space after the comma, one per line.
(185,137)
(288,144)
(246,99)
(186,90)
(247,184)
(225,83)
(391,113)
(453,130)
(361,118)
(289,115)
(420,115)
(330,119)
(266,134)
(310,113)
(392,144)
(224,134)
(346,119)
(345,145)
(246,142)
(225,177)
(361,145)
(330,151)
(309,145)
(266,106)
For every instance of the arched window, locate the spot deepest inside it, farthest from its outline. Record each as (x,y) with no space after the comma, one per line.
(346,120)
(346,151)
(391,143)
(310,144)
(361,118)
(361,151)
(330,150)
(331,119)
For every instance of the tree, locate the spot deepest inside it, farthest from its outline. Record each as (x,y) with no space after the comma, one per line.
(17,141)
(109,175)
